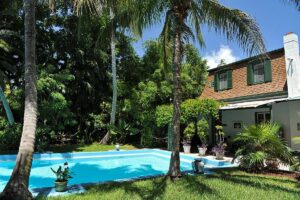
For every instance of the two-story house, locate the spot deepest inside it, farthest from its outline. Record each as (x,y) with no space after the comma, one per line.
(260,89)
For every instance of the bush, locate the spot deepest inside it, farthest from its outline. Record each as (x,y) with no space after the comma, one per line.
(203,127)
(260,146)
(189,132)
(9,135)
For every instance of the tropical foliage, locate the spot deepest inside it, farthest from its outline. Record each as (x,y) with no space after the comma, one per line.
(74,87)
(260,146)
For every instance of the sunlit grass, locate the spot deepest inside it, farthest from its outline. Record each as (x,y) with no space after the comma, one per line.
(77,148)
(229,185)
(87,148)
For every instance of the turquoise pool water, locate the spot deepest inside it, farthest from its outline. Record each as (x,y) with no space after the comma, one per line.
(98,167)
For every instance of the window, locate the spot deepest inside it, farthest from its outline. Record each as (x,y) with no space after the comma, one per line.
(223,80)
(259,72)
(237,125)
(261,117)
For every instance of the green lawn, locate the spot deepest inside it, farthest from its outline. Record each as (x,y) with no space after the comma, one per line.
(231,185)
(77,148)
(87,148)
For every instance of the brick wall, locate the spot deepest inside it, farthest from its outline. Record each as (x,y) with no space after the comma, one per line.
(239,80)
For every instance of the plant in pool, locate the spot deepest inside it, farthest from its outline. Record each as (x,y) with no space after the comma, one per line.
(62,177)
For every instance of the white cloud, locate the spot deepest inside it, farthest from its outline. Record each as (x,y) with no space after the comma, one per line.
(224,53)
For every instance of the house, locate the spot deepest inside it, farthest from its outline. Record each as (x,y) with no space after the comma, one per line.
(259,89)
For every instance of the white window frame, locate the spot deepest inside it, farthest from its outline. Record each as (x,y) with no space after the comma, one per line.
(223,84)
(258,78)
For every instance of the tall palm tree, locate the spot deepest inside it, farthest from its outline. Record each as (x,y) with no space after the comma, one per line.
(106,138)
(117,14)
(183,20)
(17,186)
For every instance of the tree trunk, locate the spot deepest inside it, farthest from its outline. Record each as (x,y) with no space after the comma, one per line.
(106,138)
(17,186)
(174,169)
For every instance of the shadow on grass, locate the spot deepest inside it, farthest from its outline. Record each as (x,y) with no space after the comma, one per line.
(157,187)
(253,181)
(156,190)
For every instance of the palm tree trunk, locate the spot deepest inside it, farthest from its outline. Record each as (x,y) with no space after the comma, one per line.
(17,186)
(174,169)
(106,138)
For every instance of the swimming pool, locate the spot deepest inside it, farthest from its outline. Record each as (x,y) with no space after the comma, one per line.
(97,167)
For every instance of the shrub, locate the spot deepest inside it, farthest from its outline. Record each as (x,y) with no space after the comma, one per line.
(260,145)
(9,135)
(189,132)
(202,127)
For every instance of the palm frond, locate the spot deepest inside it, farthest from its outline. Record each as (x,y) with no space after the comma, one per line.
(147,13)
(91,6)
(166,35)
(196,20)
(234,24)
(295,2)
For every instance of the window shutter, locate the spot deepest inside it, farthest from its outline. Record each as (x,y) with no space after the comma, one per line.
(229,79)
(268,71)
(216,82)
(250,74)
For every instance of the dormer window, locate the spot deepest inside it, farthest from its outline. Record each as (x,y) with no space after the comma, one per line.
(259,72)
(223,80)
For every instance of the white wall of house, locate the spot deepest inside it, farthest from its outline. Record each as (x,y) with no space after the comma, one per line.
(245,116)
(294,113)
(288,115)
(280,114)
(285,113)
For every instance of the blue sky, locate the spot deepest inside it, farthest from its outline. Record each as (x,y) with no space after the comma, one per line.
(274,17)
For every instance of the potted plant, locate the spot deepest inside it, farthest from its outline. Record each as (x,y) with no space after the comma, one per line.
(202,131)
(202,149)
(219,150)
(188,132)
(62,177)
(186,146)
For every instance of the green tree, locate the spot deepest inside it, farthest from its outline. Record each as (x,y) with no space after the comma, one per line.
(181,18)
(17,187)
(116,15)
(154,88)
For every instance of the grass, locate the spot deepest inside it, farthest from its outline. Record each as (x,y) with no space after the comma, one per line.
(229,184)
(76,148)
(86,148)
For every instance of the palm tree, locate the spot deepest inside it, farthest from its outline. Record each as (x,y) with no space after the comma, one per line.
(106,138)
(183,20)
(259,145)
(117,14)
(17,186)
